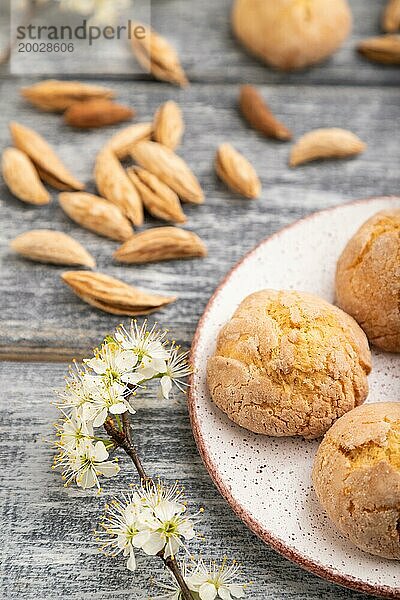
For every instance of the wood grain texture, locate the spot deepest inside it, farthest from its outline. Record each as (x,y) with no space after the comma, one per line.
(48,550)
(38,311)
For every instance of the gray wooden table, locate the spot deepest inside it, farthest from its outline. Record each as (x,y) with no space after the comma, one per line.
(46,542)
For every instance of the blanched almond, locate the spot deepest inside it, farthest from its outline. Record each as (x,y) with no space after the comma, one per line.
(157,197)
(156,55)
(160,243)
(96,214)
(325,143)
(22,178)
(236,171)
(170,168)
(54,247)
(43,155)
(56,96)
(168,125)
(122,142)
(112,295)
(114,184)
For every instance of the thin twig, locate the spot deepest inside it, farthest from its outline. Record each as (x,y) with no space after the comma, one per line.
(121,438)
(124,440)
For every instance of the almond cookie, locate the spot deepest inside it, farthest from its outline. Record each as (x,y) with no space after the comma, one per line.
(356,477)
(289,363)
(368,279)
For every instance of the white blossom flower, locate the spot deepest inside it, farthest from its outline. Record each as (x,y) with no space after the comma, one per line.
(79,388)
(206,582)
(85,463)
(111,399)
(122,531)
(177,369)
(148,346)
(212,581)
(112,363)
(169,525)
(73,431)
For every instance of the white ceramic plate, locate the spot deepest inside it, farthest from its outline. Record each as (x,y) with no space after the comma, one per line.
(267,480)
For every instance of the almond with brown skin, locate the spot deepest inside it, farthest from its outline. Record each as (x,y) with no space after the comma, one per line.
(391,17)
(157,197)
(383,49)
(156,55)
(122,142)
(259,116)
(97,113)
(236,171)
(161,243)
(325,143)
(43,156)
(54,247)
(168,125)
(112,295)
(22,178)
(96,214)
(170,168)
(114,184)
(56,96)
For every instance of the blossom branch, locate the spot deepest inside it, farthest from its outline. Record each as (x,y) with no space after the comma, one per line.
(124,441)
(153,517)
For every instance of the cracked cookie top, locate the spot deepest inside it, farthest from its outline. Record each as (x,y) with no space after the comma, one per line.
(289,363)
(356,476)
(368,279)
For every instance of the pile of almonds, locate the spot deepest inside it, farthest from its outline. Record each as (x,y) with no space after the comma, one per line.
(157,182)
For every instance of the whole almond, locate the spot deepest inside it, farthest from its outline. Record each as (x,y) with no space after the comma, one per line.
(22,178)
(391,17)
(160,243)
(43,156)
(236,171)
(383,49)
(157,197)
(96,214)
(114,184)
(156,55)
(56,96)
(168,125)
(325,143)
(170,168)
(97,113)
(54,247)
(112,295)
(122,142)
(259,116)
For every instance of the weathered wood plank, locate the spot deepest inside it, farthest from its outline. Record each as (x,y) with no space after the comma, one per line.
(48,550)
(201,31)
(37,311)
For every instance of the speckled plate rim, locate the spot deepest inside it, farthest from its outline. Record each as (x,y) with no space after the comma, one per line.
(309,565)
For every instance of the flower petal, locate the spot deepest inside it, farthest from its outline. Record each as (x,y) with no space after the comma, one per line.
(224,593)
(207,591)
(118,409)
(131,564)
(237,591)
(108,469)
(154,544)
(100,452)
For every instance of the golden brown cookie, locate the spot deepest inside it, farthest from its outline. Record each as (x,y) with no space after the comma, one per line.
(289,363)
(368,279)
(356,477)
